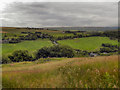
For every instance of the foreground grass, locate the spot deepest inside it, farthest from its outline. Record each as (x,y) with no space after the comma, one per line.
(88,43)
(31,46)
(96,72)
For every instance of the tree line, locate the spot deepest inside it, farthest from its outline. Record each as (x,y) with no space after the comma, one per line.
(29,36)
(57,51)
(36,35)
(45,52)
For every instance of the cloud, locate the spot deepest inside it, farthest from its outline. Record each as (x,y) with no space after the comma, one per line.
(43,14)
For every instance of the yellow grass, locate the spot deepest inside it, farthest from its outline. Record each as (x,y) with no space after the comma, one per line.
(94,72)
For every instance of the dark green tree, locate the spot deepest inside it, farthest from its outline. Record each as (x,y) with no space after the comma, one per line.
(20,55)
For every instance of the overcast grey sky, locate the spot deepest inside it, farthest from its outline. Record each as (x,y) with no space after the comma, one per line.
(49,14)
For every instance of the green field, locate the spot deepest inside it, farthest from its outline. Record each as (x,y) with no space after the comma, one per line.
(88,43)
(10,32)
(96,72)
(61,34)
(31,46)
(76,72)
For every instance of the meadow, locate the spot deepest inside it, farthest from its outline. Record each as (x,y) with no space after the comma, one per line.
(61,34)
(31,46)
(87,43)
(58,72)
(92,72)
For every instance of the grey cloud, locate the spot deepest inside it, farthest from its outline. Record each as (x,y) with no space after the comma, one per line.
(41,14)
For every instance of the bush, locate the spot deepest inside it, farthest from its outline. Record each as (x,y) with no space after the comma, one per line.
(14,40)
(55,51)
(43,52)
(20,55)
(5,60)
(81,53)
(109,48)
(105,49)
(109,45)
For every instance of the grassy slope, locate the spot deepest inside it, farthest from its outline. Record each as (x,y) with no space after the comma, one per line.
(61,34)
(15,30)
(12,31)
(25,45)
(93,72)
(88,43)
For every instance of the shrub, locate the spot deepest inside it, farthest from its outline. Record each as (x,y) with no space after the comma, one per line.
(5,60)
(14,40)
(43,52)
(20,55)
(105,49)
(109,48)
(81,53)
(109,45)
(55,51)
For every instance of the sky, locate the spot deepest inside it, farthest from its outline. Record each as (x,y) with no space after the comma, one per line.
(56,14)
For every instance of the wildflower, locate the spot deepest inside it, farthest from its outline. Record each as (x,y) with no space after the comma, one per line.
(76,85)
(97,71)
(80,82)
(77,74)
(88,70)
(113,76)
(114,70)
(114,86)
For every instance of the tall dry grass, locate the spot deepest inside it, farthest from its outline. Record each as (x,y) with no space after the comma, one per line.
(96,72)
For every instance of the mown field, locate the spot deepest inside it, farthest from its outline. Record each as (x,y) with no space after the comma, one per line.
(92,72)
(31,46)
(87,43)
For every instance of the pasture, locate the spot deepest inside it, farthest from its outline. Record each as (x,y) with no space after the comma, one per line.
(11,32)
(60,34)
(31,46)
(76,72)
(87,43)
(96,72)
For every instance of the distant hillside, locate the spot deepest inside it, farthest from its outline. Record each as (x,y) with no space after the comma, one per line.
(83,28)
(64,28)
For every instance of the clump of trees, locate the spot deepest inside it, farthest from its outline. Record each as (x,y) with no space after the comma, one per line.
(108,48)
(13,40)
(109,45)
(20,55)
(81,53)
(34,36)
(5,60)
(55,51)
(111,34)
(29,36)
